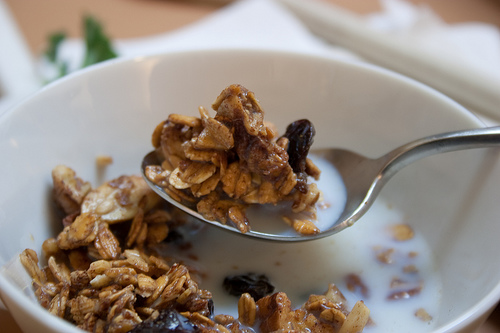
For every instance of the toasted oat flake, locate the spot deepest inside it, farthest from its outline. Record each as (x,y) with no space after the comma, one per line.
(385,256)
(402,232)
(356,284)
(423,315)
(103,161)
(410,269)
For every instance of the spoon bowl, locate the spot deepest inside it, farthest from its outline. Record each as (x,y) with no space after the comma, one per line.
(363,177)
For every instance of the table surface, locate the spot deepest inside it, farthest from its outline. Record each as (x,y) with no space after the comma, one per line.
(136,18)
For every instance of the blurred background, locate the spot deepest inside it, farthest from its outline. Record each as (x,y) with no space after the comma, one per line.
(137,18)
(469,25)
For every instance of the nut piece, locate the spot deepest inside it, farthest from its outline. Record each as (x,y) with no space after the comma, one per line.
(247,309)
(274,311)
(333,315)
(69,190)
(119,200)
(357,319)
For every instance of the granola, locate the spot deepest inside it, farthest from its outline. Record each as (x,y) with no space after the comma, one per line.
(107,271)
(222,164)
(115,264)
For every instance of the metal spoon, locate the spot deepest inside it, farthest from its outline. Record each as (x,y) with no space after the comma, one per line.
(363,177)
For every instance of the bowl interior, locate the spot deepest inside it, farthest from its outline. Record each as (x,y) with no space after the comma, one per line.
(111,109)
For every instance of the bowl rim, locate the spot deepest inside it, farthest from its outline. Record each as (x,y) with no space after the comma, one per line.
(301,55)
(14,294)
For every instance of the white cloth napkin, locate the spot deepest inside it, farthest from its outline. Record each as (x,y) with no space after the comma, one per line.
(17,71)
(268,24)
(475,44)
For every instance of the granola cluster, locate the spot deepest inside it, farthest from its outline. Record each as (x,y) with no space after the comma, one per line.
(115,267)
(223,164)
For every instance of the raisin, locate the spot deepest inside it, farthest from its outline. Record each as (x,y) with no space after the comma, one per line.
(300,135)
(175,237)
(167,321)
(256,285)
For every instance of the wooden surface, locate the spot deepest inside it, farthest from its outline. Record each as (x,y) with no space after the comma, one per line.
(136,18)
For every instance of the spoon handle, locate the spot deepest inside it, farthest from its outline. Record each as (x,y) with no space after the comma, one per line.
(436,144)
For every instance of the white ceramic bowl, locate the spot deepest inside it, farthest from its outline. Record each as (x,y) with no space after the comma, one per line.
(451,200)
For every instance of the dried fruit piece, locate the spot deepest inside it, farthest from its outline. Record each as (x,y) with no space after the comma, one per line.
(300,135)
(167,321)
(256,285)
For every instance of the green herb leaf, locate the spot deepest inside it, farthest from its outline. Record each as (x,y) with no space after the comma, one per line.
(62,68)
(55,41)
(98,45)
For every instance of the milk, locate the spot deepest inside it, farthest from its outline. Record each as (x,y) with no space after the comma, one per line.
(301,269)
